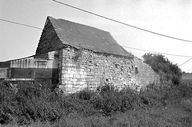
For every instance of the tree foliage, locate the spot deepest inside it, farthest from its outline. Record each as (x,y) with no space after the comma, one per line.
(168,71)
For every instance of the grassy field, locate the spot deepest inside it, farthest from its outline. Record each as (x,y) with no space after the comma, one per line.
(161,117)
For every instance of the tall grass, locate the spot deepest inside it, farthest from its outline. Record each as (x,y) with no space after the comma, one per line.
(37,106)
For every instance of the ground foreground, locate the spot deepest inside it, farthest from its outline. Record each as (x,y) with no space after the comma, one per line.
(166,117)
(35,107)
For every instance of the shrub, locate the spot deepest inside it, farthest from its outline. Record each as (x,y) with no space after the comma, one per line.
(154,96)
(161,95)
(168,71)
(110,100)
(187,104)
(30,103)
(7,103)
(27,104)
(85,94)
(75,103)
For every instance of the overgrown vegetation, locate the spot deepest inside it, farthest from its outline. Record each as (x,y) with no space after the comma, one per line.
(168,104)
(169,72)
(31,104)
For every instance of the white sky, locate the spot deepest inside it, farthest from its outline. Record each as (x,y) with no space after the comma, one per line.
(171,17)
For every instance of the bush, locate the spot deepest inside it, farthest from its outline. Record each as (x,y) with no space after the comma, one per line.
(7,103)
(30,103)
(27,104)
(187,104)
(168,71)
(161,95)
(110,100)
(155,96)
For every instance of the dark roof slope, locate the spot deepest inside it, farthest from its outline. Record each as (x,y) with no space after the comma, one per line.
(82,36)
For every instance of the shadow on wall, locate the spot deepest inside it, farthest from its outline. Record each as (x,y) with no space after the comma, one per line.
(144,74)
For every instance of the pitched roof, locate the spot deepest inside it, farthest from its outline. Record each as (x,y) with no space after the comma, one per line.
(83,36)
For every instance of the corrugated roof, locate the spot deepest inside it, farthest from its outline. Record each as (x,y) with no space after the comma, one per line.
(82,36)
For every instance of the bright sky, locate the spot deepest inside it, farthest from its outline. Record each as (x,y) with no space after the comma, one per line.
(171,17)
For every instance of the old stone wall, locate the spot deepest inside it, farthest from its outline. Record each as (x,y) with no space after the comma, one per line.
(81,69)
(144,74)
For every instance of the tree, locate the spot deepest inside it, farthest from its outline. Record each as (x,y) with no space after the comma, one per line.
(168,71)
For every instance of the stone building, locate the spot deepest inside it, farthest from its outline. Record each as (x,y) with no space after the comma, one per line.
(78,57)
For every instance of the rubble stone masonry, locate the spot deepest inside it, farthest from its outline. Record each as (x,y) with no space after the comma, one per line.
(83,69)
